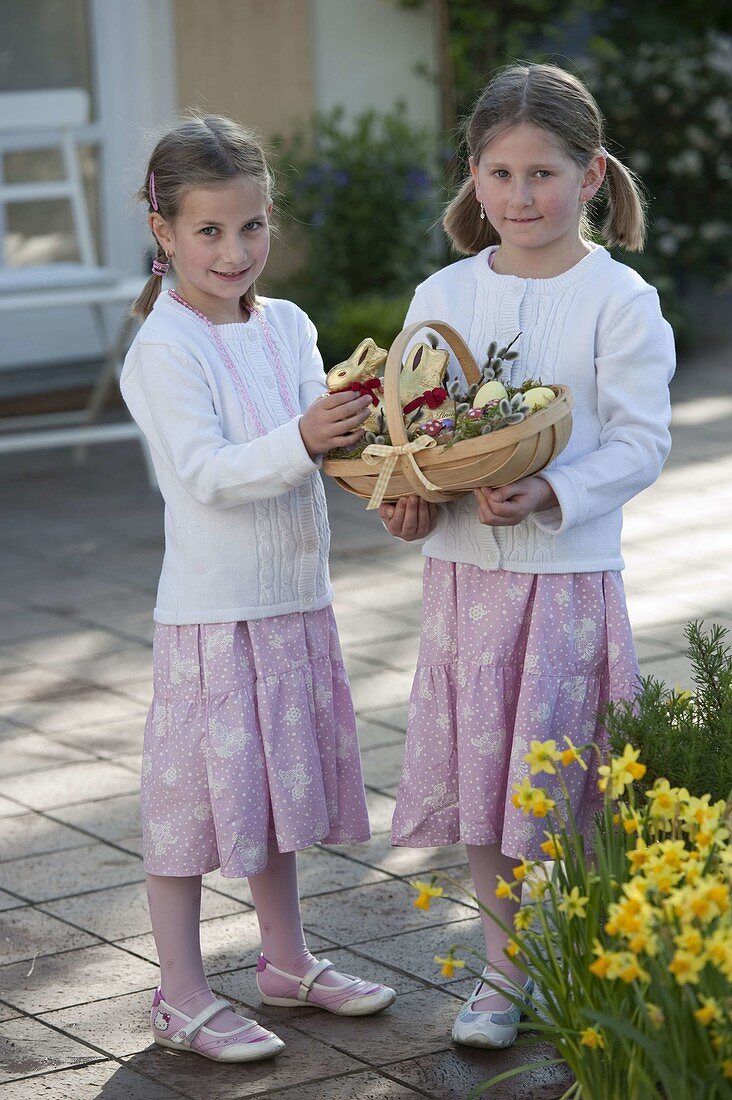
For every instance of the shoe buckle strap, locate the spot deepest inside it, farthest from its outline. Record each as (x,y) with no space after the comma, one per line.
(307,981)
(193,1026)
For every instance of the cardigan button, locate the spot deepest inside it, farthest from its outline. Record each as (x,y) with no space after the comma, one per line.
(310,547)
(308,599)
(303,491)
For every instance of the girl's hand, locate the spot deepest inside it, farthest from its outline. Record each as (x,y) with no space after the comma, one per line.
(410,518)
(333,422)
(509,505)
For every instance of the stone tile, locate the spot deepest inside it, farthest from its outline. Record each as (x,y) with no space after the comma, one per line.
(120,1026)
(35,683)
(29,623)
(113,669)
(356,1086)
(68,712)
(452,1074)
(391,688)
(673,670)
(70,784)
(304,1061)
(28,1046)
(393,592)
(68,649)
(25,751)
(381,811)
(8,901)
(25,932)
(372,735)
(228,943)
(139,690)
(419,1022)
(414,952)
(75,977)
(54,875)
(34,834)
(381,910)
(108,818)
(394,717)
(399,652)
(107,739)
(121,912)
(356,625)
(101,1079)
(320,870)
(412,862)
(382,767)
(10,808)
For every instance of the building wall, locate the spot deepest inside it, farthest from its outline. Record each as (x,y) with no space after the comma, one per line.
(367,54)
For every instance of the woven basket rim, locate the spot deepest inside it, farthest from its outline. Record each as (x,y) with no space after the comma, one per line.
(471,448)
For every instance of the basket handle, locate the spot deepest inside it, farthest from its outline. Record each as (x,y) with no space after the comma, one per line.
(392,370)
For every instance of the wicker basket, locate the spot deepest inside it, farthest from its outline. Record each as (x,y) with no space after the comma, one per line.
(438,472)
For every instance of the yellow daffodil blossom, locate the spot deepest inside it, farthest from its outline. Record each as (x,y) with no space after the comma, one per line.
(644,943)
(709,1012)
(542,757)
(623,965)
(522,869)
(727,1067)
(664,800)
(655,1015)
(601,965)
(427,891)
(542,804)
(512,950)
(573,904)
(639,856)
(522,920)
(686,967)
(552,847)
(592,1038)
(691,940)
(571,755)
(621,772)
(538,887)
(505,889)
(524,795)
(449,964)
(719,950)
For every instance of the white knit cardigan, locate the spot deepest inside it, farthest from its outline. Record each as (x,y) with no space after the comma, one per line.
(598,329)
(246,529)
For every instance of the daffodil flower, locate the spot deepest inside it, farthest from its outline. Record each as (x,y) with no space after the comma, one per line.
(427,891)
(571,755)
(449,964)
(573,904)
(542,757)
(592,1038)
(505,889)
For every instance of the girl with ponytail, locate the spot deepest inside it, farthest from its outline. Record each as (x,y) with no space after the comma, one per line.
(526,634)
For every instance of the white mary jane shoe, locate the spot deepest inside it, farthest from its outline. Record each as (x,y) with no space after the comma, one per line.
(490,1029)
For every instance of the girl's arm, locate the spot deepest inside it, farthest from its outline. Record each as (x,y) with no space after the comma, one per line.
(170,399)
(634,364)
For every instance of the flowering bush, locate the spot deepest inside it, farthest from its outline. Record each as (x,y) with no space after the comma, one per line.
(669,115)
(361,198)
(631,947)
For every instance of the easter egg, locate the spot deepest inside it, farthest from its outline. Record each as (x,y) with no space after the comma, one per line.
(489,391)
(538,397)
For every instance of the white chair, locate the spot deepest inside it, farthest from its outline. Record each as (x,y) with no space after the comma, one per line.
(51,119)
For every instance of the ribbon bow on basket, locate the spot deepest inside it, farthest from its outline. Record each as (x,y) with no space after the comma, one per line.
(375,452)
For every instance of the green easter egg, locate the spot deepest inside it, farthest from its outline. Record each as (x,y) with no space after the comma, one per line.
(538,397)
(489,391)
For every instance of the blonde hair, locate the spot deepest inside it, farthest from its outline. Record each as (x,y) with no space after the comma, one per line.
(557,102)
(202,151)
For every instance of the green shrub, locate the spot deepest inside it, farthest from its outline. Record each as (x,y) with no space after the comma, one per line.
(684,736)
(362,197)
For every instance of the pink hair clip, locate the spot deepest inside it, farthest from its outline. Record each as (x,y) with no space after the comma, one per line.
(151,191)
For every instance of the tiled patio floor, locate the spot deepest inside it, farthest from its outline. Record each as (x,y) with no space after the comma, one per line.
(79,555)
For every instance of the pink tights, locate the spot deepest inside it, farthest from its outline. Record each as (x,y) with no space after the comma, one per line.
(175,912)
(486,862)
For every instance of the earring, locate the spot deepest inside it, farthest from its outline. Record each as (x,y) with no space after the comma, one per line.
(482,212)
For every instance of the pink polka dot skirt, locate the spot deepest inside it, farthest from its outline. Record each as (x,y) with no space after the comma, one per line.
(251,728)
(507,658)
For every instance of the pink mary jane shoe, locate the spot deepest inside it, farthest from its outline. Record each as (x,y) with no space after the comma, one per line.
(248,1043)
(351,998)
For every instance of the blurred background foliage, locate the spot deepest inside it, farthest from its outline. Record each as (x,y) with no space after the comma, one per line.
(362,200)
